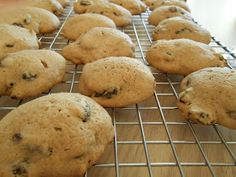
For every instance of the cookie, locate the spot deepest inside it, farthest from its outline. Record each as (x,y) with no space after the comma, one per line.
(58,135)
(120,15)
(33,18)
(135,7)
(178,3)
(64,3)
(30,72)
(183,56)
(176,28)
(109,42)
(208,97)
(82,5)
(14,38)
(80,24)
(164,12)
(51,5)
(117,81)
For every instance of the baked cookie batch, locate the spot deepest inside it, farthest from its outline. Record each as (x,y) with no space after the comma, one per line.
(63,134)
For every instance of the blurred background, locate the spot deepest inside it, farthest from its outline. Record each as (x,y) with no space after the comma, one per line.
(219,17)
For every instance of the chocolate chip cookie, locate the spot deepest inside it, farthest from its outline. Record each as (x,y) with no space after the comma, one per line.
(117,81)
(178,3)
(59,135)
(109,42)
(164,12)
(208,96)
(120,15)
(82,5)
(80,24)
(33,18)
(30,72)
(176,28)
(51,5)
(136,7)
(183,56)
(14,38)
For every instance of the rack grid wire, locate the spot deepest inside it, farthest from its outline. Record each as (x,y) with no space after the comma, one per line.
(151,138)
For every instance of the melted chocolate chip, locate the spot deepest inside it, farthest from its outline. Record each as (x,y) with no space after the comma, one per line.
(107,94)
(19,170)
(173,9)
(9,45)
(58,129)
(17,137)
(183,30)
(29,76)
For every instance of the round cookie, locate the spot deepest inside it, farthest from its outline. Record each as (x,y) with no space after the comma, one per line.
(183,56)
(164,12)
(64,3)
(117,81)
(152,3)
(82,5)
(51,5)
(208,97)
(178,3)
(58,135)
(109,42)
(120,15)
(135,7)
(176,28)
(33,18)
(14,38)
(30,72)
(80,24)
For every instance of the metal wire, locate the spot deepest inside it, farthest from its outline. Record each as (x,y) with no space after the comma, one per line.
(140,32)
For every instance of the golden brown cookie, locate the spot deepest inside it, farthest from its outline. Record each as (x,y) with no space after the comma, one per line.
(51,5)
(14,38)
(33,18)
(208,96)
(82,5)
(80,24)
(117,81)
(183,56)
(178,3)
(120,15)
(135,7)
(164,12)
(109,42)
(177,28)
(58,135)
(30,72)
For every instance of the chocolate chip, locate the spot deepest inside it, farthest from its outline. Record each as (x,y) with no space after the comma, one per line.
(173,9)
(29,76)
(183,30)
(204,115)
(116,14)
(17,137)
(85,3)
(9,45)
(50,151)
(102,12)
(58,129)
(19,170)
(17,24)
(45,65)
(107,94)
(221,58)
(168,53)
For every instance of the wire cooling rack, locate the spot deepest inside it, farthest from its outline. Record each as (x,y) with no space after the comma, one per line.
(151,138)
